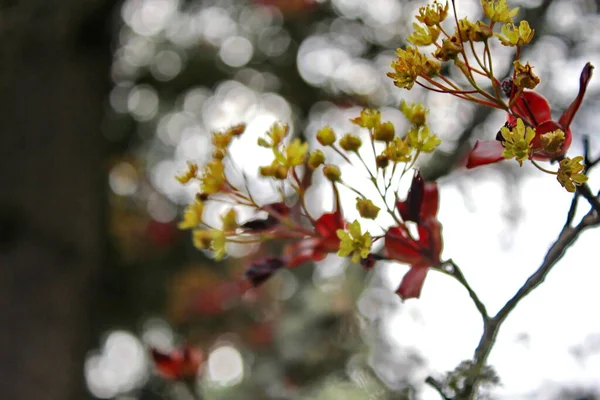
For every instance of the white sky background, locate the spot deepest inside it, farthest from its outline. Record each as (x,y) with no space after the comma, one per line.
(536,344)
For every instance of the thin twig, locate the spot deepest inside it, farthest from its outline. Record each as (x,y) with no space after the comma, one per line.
(437,386)
(566,238)
(457,274)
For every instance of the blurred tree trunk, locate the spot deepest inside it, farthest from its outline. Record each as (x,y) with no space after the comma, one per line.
(54,77)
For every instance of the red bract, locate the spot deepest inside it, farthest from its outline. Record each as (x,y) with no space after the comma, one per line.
(179,364)
(317,247)
(423,252)
(534,110)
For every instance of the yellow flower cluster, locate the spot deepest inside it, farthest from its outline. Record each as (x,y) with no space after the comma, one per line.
(498,11)
(570,173)
(517,141)
(354,243)
(410,65)
(285,156)
(516,35)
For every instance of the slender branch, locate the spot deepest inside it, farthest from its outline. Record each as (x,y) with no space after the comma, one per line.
(437,386)
(566,238)
(457,274)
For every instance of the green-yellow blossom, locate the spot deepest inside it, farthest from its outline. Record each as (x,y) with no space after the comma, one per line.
(354,243)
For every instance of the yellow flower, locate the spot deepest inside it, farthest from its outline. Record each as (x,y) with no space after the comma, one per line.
(415,112)
(423,35)
(353,242)
(398,150)
(552,141)
(332,173)
(315,159)
(349,142)
(569,173)
(366,208)
(524,76)
(213,178)
(229,220)
(516,35)
(295,153)
(368,118)
(326,136)
(421,140)
(409,65)
(451,47)
(517,141)
(384,132)
(192,215)
(275,135)
(475,32)
(212,239)
(221,140)
(433,14)
(191,173)
(498,11)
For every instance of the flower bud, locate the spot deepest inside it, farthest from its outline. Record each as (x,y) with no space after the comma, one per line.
(315,159)
(350,142)
(332,173)
(384,132)
(326,136)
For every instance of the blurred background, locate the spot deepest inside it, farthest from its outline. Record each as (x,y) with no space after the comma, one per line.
(104,102)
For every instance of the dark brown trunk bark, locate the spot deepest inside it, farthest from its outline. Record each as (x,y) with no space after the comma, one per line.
(52,89)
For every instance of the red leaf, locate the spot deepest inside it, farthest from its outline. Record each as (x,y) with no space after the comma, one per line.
(412,283)
(485,152)
(584,79)
(532,108)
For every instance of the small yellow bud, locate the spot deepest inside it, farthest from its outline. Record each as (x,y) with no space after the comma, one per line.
(350,142)
(267,170)
(384,132)
(366,208)
(315,159)
(326,136)
(415,112)
(332,172)
(281,172)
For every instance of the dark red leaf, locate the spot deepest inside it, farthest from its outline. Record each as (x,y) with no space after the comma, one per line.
(584,79)
(412,283)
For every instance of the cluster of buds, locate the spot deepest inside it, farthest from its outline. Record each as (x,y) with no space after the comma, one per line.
(530,132)
(311,238)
